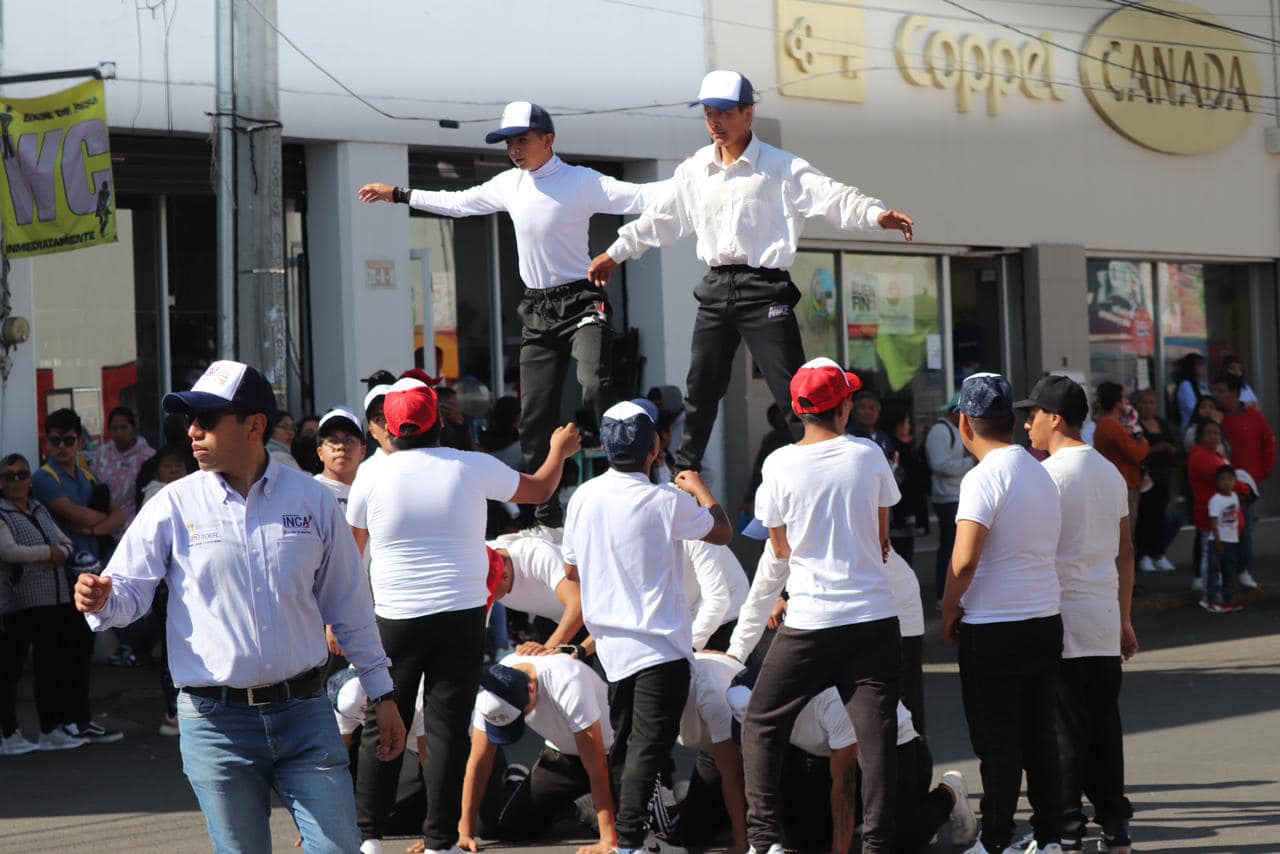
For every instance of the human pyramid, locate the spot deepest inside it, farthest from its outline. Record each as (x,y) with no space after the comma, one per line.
(275,586)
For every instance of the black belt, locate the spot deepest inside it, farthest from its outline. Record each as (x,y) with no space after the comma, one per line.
(562,290)
(301,687)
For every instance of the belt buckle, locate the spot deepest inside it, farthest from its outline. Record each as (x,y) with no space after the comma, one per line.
(252,701)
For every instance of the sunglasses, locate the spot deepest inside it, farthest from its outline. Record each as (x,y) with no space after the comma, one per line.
(208,420)
(16,476)
(56,441)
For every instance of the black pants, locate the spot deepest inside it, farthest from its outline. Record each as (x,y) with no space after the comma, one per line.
(448,649)
(530,806)
(1008,677)
(1153,532)
(567,321)
(912,680)
(702,815)
(863,662)
(719,640)
(61,644)
(644,710)
(946,543)
(1091,745)
(736,303)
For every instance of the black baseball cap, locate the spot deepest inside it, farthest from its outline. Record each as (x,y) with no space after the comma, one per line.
(379,377)
(1059,395)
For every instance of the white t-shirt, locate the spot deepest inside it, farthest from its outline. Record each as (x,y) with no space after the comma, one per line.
(1224,510)
(537,570)
(707,718)
(1094,500)
(623,533)
(906,593)
(353,700)
(823,725)
(425,513)
(1012,495)
(340,490)
(571,697)
(715,585)
(829,495)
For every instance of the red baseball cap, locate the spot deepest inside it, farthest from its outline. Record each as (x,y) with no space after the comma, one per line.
(423,376)
(416,406)
(821,385)
(497,568)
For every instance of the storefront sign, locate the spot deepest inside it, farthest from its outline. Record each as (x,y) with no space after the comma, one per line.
(58,192)
(821,53)
(975,67)
(1168,84)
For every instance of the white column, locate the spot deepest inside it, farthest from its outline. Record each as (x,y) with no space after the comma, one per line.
(361,317)
(18,396)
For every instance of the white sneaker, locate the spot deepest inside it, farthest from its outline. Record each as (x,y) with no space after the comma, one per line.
(1246,581)
(59,739)
(1197,585)
(657,845)
(16,744)
(964,825)
(371,846)
(1145,564)
(1165,565)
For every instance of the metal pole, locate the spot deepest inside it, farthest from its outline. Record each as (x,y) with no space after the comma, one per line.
(166,301)
(495,312)
(226,181)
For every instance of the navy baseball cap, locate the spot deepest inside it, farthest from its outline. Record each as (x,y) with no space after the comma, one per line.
(520,117)
(985,396)
(1059,395)
(224,385)
(725,90)
(504,694)
(627,430)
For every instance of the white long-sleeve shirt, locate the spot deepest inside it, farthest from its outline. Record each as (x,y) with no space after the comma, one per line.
(748,212)
(550,208)
(715,586)
(771,577)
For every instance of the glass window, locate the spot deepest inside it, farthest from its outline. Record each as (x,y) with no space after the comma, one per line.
(1204,308)
(894,330)
(457,253)
(818,312)
(977,336)
(1121,323)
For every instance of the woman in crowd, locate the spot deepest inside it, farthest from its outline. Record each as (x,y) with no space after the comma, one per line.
(1206,410)
(910,516)
(280,445)
(1154,533)
(1233,366)
(1193,384)
(38,610)
(1119,438)
(118,461)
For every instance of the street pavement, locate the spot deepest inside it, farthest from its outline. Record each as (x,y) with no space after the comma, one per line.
(1201,711)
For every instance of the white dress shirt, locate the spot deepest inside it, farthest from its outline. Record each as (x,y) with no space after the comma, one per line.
(550,208)
(252,581)
(748,212)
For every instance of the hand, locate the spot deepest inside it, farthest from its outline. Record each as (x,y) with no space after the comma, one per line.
(886,546)
(419,847)
(370,193)
(602,266)
(92,592)
(332,641)
(951,615)
(566,441)
(390,731)
(691,482)
(600,847)
(778,613)
(58,555)
(466,842)
(1128,641)
(535,648)
(897,220)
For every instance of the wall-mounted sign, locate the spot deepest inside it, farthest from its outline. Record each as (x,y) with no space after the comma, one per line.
(379,275)
(976,68)
(821,53)
(1167,84)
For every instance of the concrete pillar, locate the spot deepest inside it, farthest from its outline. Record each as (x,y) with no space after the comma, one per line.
(1056,299)
(361,297)
(18,394)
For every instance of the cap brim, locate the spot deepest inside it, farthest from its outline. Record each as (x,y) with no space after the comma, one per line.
(756,530)
(1027,404)
(340,422)
(718,103)
(503,133)
(508,734)
(182,402)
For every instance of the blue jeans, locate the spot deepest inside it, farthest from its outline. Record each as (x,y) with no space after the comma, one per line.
(235,755)
(1220,569)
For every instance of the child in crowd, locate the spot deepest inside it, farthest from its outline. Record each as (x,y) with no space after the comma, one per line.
(171,465)
(1222,545)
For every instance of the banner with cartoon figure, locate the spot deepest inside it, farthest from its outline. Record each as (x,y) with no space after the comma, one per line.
(58,191)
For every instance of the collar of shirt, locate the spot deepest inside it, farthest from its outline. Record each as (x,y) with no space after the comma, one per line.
(546,170)
(748,159)
(221,491)
(630,475)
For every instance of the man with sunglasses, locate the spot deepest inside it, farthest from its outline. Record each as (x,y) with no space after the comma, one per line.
(258,559)
(84,512)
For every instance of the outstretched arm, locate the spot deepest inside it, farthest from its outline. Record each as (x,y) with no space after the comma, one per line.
(665,220)
(847,208)
(479,200)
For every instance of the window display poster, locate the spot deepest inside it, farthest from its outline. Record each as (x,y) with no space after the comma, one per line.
(1121,308)
(1182,301)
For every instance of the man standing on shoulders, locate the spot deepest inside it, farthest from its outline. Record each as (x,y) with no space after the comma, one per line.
(551,204)
(1253,448)
(948,462)
(1001,603)
(746,202)
(340,448)
(1095,573)
(257,559)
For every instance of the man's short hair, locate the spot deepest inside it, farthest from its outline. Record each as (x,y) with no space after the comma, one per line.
(1224,470)
(1109,394)
(866,394)
(1231,381)
(827,418)
(411,439)
(998,428)
(123,412)
(64,421)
